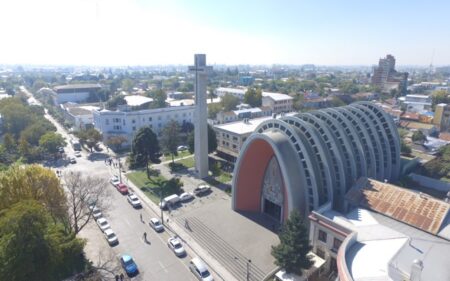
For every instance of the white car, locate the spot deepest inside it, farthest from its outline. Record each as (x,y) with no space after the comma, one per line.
(182,148)
(200,270)
(96,213)
(77,154)
(111,237)
(72,160)
(175,245)
(186,196)
(114,181)
(156,225)
(134,200)
(202,190)
(103,224)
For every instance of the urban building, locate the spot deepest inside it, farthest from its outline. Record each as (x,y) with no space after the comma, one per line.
(442,117)
(74,92)
(311,159)
(80,115)
(277,102)
(237,92)
(244,113)
(385,75)
(386,233)
(127,122)
(246,80)
(416,103)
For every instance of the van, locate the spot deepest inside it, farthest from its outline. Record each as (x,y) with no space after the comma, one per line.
(169,200)
(199,269)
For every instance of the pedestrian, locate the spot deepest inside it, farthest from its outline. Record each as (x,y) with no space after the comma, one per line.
(121,276)
(186,224)
(145,236)
(117,277)
(141,217)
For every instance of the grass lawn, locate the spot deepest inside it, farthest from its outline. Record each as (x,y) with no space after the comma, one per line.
(224,177)
(181,154)
(151,187)
(183,164)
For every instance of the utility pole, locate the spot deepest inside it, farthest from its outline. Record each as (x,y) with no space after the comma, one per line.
(160,205)
(249,261)
(120,172)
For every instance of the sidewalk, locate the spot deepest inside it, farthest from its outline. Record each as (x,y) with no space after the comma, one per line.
(182,233)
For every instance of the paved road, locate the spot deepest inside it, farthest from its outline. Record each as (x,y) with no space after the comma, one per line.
(154,259)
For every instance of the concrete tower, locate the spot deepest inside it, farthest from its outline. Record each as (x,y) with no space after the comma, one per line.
(201,127)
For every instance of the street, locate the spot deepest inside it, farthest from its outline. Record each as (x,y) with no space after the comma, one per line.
(153,258)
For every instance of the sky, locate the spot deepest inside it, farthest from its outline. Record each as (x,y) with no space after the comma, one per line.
(150,32)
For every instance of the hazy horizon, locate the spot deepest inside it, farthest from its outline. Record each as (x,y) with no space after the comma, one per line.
(162,33)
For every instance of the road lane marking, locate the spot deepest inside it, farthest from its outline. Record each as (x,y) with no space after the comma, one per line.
(163,267)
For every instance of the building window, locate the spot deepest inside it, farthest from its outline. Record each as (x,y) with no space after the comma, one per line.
(150,119)
(107,121)
(133,121)
(159,117)
(117,127)
(336,244)
(322,236)
(134,128)
(116,120)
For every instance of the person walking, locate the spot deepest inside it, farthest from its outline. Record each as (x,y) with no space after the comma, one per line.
(142,220)
(145,236)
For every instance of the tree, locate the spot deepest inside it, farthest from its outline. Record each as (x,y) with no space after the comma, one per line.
(439,96)
(170,139)
(116,101)
(127,84)
(159,98)
(90,137)
(116,141)
(213,109)
(419,137)
(253,97)
(212,140)
(9,143)
(292,252)
(404,148)
(145,148)
(229,102)
(50,142)
(83,192)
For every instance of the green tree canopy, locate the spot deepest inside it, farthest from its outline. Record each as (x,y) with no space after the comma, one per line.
(170,138)
(116,101)
(90,137)
(419,137)
(229,102)
(145,148)
(253,97)
(292,252)
(51,141)
(159,98)
(212,140)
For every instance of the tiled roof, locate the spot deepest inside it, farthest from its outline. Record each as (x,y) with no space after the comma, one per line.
(416,209)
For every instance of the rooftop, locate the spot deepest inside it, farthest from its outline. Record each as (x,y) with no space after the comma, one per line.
(77,87)
(137,100)
(232,90)
(242,127)
(181,102)
(416,209)
(277,96)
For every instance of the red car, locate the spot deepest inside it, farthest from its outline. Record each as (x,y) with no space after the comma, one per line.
(122,188)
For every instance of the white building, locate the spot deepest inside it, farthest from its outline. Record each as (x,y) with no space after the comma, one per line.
(74,92)
(81,116)
(277,102)
(237,92)
(127,123)
(416,103)
(243,113)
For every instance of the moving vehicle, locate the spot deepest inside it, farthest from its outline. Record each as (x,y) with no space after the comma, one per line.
(111,237)
(72,160)
(129,265)
(186,196)
(77,154)
(175,245)
(202,190)
(182,148)
(169,200)
(96,213)
(122,188)
(134,200)
(103,224)
(75,144)
(156,225)
(198,267)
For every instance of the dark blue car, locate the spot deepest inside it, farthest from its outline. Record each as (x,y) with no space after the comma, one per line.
(129,265)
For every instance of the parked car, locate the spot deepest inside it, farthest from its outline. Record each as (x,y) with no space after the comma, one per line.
(114,180)
(202,190)
(122,188)
(96,213)
(134,200)
(61,149)
(186,196)
(171,199)
(72,160)
(175,245)
(111,237)
(103,224)
(77,154)
(156,225)
(198,267)
(129,265)
(182,148)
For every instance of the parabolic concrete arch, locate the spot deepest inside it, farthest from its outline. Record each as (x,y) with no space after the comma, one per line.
(307,160)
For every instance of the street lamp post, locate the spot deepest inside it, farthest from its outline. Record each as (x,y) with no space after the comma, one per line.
(249,261)
(160,206)
(120,172)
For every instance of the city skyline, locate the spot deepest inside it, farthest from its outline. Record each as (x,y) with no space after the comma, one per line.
(122,32)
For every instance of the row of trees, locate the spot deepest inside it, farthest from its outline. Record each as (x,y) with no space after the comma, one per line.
(39,222)
(27,135)
(146,147)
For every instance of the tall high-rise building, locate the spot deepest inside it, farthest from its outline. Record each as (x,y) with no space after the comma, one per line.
(201,127)
(385,73)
